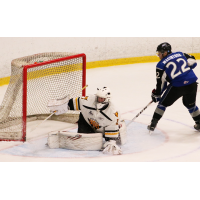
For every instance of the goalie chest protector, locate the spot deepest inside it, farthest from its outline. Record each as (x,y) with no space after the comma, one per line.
(98,118)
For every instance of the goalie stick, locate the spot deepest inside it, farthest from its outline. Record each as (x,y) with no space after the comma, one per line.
(139,113)
(78,91)
(55,111)
(42,121)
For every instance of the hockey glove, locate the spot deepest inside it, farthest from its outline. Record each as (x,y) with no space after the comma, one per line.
(58,105)
(61,109)
(112,148)
(154,96)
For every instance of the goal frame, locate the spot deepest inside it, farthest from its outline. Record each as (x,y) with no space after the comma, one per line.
(24,96)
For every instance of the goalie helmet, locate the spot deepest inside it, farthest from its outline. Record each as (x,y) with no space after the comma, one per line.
(104,93)
(164,47)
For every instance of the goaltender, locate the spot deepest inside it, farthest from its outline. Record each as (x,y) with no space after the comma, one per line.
(98,115)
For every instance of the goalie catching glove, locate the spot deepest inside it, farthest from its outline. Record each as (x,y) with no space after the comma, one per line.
(112,148)
(59,106)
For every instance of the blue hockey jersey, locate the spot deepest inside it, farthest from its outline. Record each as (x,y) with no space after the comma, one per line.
(174,69)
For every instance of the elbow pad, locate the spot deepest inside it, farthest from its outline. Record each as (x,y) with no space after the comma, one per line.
(193,66)
(74,103)
(192,63)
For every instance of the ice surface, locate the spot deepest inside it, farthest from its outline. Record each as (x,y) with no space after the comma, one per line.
(131,86)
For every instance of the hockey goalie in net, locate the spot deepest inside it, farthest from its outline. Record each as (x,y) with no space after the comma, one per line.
(98,119)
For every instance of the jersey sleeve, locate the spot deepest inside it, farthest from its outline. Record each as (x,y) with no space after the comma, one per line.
(188,56)
(191,60)
(161,80)
(74,103)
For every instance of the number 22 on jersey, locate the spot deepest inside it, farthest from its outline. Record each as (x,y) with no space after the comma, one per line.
(183,67)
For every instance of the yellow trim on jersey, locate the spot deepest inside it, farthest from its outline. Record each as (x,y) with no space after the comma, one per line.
(76,100)
(116,114)
(111,133)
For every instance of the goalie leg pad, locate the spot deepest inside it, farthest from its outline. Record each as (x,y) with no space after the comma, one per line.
(53,140)
(76,141)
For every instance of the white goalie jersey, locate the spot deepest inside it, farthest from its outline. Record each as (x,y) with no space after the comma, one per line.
(103,119)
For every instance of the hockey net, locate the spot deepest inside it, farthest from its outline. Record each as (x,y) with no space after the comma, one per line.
(34,81)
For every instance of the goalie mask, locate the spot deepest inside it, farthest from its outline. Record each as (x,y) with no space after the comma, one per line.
(103,97)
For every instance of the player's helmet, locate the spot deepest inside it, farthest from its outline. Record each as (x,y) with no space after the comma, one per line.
(104,93)
(164,47)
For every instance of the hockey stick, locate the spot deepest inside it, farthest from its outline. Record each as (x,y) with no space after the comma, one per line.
(42,121)
(75,92)
(139,113)
(80,90)
(55,111)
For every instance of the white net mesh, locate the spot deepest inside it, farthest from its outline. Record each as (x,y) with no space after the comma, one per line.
(45,81)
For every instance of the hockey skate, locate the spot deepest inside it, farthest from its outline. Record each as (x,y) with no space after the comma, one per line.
(152,126)
(197,125)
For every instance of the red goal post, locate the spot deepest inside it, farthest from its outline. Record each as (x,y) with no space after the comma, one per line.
(48,76)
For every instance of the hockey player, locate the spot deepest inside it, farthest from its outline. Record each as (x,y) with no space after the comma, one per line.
(175,68)
(98,115)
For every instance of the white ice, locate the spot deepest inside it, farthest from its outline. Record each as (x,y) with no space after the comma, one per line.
(174,140)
